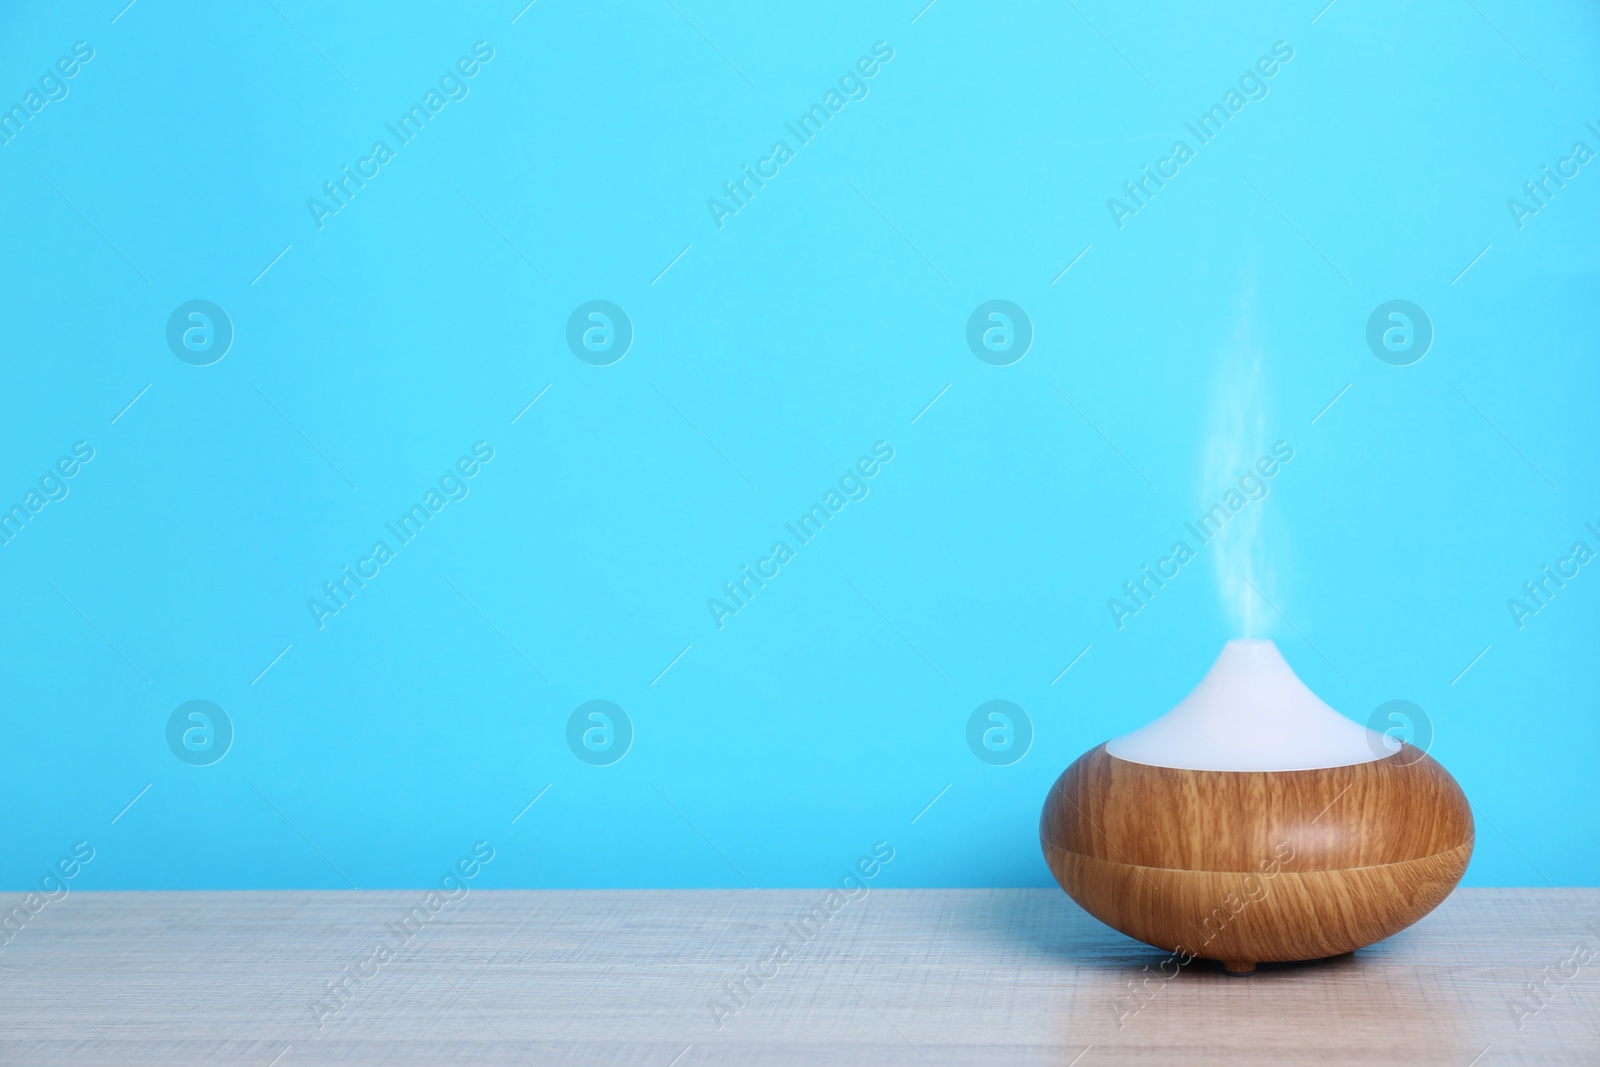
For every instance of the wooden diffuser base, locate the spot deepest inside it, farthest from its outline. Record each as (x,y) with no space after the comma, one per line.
(1252,866)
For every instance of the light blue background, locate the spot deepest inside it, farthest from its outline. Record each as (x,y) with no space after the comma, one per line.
(777,749)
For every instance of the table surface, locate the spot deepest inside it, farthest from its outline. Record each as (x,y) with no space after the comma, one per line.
(915,977)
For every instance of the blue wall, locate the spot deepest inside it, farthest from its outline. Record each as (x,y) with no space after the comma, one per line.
(773,349)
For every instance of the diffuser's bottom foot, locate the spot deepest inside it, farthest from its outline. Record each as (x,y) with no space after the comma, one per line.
(1239,967)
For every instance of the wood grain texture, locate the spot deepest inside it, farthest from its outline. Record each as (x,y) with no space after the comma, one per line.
(901,978)
(1248,866)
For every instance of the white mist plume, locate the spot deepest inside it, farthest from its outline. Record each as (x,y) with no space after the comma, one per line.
(1237,438)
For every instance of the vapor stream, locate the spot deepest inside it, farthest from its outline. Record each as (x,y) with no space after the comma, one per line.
(1237,436)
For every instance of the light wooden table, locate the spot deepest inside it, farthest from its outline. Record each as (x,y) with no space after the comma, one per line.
(926,978)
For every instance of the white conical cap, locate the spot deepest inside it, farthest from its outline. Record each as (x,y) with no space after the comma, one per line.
(1251,712)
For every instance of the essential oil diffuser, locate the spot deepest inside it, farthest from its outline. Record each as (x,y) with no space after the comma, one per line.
(1252,823)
